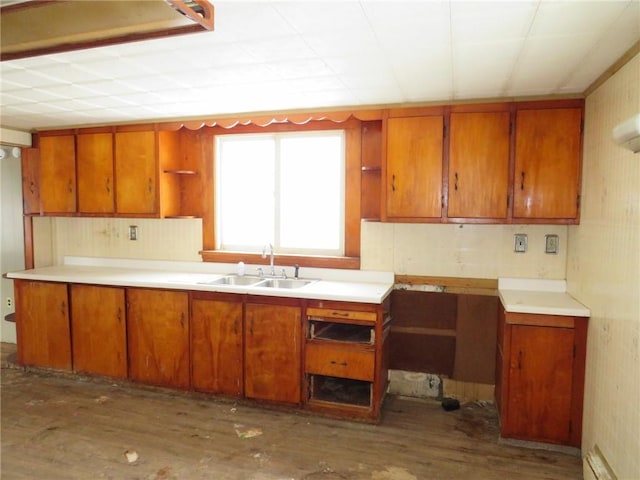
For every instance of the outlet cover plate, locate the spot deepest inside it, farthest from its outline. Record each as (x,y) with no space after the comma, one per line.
(551,244)
(520,243)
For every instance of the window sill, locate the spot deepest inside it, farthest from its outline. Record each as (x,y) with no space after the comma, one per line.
(348,263)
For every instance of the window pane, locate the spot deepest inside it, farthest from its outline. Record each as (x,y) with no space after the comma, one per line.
(283,188)
(245,192)
(311,198)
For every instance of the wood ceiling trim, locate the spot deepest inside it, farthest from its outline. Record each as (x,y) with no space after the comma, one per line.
(36,28)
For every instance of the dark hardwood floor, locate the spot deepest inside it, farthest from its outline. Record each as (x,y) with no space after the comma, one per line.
(58,426)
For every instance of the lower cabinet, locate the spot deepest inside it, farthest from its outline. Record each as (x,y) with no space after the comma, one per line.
(272,352)
(345,360)
(158,336)
(216,343)
(99,329)
(42,324)
(540,377)
(324,356)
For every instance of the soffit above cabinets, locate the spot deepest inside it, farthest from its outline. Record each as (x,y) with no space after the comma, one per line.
(272,56)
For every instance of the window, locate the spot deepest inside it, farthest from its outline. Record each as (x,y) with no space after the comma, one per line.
(285,188)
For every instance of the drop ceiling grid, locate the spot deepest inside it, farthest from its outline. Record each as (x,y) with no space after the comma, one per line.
(266,56)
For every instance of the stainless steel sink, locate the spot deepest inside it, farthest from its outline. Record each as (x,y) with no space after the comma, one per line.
(235,280)
(284,283)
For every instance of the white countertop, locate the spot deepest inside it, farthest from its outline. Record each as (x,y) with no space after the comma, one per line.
(547,297)
(331,284)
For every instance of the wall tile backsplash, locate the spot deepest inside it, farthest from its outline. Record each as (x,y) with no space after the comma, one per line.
(470,251)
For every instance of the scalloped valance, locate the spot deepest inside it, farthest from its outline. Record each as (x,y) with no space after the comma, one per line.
(262,120)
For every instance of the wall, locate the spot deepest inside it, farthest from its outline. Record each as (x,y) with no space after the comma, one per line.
(603,272)
(11,238)
(167,239)
(481,251)
(470,251)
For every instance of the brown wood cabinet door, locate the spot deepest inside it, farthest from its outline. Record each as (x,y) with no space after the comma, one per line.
(540,384)
(547,163)
(414,167)
(158,336)
(272,353)
(99,330)
(30,163)
(58,174)
(136,169)
(95,172)
(479,165)
(42,320)
(216,346)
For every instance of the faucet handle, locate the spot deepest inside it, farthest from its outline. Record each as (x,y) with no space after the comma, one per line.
(284,273)
(297,268)
(260,272)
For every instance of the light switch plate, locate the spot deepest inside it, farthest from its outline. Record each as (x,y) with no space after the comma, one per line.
(520,243)
(551,244)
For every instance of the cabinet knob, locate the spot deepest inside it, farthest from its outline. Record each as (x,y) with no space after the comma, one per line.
(108,186)
(521,180)
(393,183)
(342,364)
(455,185)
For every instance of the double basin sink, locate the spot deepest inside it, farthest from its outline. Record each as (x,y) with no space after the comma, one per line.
(252,281)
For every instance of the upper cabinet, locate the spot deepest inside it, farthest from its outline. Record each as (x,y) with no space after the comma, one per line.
(510,162)
(478,184)
(136,173)
(58,174)
(94,158)
(414,167)
(30,164)
(548,147)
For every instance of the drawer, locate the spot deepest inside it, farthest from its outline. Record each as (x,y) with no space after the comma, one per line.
(339,362)
(342,314)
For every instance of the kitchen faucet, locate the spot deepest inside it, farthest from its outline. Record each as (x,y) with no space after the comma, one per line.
(272,270)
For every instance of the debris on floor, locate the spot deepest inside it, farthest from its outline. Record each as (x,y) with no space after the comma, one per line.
(131,456)
(243,432)
(450,404)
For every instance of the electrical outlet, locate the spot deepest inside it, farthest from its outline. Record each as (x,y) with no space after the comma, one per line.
(133,232)
(520,243)
(551,244)
(9,303)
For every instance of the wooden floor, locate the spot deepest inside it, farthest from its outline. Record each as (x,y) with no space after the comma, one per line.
(57,426)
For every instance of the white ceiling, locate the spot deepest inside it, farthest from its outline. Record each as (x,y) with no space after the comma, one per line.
(287,55)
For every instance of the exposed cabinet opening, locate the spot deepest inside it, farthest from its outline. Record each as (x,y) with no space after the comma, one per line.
(341,332)
(340,390)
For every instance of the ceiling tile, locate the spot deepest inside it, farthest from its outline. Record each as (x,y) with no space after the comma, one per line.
(279,55)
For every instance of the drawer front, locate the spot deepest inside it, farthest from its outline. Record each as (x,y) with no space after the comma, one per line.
(339,362)
(341,314)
